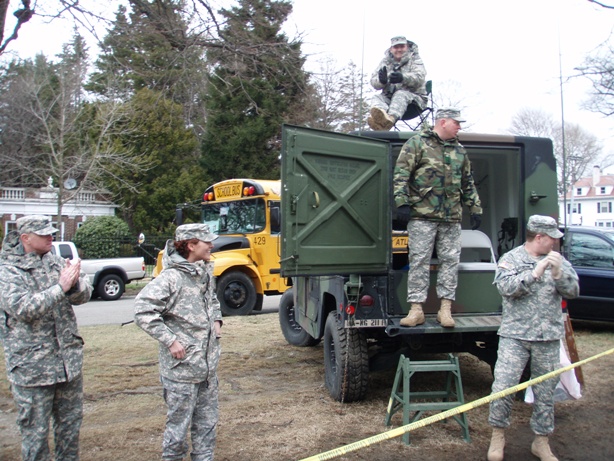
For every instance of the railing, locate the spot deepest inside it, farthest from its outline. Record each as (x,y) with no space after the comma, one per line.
(19,194)
(13,193)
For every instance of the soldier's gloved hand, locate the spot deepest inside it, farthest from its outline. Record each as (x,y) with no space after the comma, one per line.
(476,221)
(403,214)
(556,262)
(395,77)
(541,267)
(383,75)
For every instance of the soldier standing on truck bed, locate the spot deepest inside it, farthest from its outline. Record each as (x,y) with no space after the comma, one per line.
(401,77)
(432,180)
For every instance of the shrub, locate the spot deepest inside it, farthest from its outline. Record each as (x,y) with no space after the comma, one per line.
(102,237)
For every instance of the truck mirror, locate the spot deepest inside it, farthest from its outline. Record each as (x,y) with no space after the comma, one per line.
(178,216)
(275,219)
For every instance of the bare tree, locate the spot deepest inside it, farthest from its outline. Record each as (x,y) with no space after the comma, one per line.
(66,137)
(598,67)
(342,96)
(532,122)
(581,151)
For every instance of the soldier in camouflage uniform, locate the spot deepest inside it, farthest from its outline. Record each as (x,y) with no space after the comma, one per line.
(532,280)
(401,77)
(432,179)
(42,347)
(180,309)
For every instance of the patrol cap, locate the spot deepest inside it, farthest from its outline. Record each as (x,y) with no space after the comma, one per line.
(544,225)
(398,40)
(194,231)
(449,112)
(35,224)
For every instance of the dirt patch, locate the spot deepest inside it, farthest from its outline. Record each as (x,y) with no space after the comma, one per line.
(274,406)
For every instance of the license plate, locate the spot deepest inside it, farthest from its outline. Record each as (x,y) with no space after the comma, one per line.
(365,323)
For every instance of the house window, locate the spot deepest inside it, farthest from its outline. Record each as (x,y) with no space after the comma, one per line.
(577,208)
(9,226)
(579,191)
(602,190)
(604,207)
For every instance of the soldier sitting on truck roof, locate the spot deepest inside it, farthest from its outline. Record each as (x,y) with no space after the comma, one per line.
(401,77)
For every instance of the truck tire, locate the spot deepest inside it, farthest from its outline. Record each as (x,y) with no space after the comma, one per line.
(293,332)
(346,361)
(236,293)
(110,287)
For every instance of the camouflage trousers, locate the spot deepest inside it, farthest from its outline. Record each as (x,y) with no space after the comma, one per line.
(513,355)
(423,237)
(36,406)
(192,407)
(396,104)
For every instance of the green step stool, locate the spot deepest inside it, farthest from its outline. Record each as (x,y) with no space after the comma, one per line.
(451,397)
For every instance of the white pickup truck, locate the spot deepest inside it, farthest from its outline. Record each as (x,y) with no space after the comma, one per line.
(108,276)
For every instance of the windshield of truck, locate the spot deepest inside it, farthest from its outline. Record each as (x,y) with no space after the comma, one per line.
(235,217)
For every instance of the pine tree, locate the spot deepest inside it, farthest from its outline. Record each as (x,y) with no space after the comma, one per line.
(257,84)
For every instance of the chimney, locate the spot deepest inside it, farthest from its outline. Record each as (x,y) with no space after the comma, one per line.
(596,175)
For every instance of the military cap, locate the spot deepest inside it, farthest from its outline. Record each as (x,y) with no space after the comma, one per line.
(35,224)
(544,225)
(194,231)
(448,112)
(398,40)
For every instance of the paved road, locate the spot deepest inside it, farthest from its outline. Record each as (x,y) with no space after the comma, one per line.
(98,312)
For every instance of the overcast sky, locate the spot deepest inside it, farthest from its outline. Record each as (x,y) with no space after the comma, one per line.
(502,55)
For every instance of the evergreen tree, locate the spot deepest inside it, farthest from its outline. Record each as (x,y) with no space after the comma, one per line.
(156,131)
(257,84)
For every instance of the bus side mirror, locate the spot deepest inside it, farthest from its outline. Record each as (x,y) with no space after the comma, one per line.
(275,220)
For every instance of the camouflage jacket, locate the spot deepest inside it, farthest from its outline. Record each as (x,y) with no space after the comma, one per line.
(532,307)
(181,304)
(412,68)
(434,177)
(37,322)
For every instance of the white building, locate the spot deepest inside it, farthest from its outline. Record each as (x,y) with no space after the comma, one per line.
(592,201)
(16,202)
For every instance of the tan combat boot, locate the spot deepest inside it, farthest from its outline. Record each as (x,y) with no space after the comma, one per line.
(444,316)
(497,444)
(541,448)
(382,119)
(372,124)
(414,317)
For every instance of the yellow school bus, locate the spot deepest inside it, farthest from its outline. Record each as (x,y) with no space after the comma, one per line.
(245,213)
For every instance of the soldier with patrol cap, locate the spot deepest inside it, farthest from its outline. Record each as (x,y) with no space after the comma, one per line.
(532,279)
(432,180)
(179,309)
(42,347)
(401,77)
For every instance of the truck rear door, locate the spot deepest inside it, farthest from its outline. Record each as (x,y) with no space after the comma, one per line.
(335,203)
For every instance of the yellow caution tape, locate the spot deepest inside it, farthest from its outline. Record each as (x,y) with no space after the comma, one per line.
(447,414)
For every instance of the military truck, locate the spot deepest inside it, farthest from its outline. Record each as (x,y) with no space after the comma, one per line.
(347,263)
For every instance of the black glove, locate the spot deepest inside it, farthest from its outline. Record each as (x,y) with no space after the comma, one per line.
(396,77)
(403,215)
(476,221)
(383,75)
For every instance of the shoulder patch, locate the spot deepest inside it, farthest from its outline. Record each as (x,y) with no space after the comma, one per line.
(504,265)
